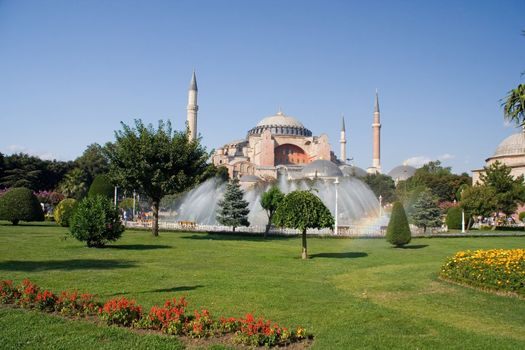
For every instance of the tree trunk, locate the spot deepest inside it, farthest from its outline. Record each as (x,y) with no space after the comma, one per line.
(304,254)
(155,226)
(233,228)
(468,224)
(15,221)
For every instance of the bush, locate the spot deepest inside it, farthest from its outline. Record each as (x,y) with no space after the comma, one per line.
(454,218)
(521,215)
(121,312)
(96,221)
(398,231)
(20,204)
(101,186)
(64,211)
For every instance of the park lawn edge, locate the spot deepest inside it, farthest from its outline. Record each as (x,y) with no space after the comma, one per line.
(482,288)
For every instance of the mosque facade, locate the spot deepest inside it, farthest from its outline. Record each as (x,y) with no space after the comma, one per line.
(281,144)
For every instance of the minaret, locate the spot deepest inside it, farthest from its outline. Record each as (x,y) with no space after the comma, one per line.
(343,141)
(192,108)
(376,127)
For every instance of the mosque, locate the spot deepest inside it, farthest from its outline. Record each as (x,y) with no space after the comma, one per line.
(281,144)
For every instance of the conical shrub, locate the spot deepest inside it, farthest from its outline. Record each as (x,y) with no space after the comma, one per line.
(398,231)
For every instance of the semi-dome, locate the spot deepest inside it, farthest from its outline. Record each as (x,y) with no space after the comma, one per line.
(280,124)
(402,172)
(350,170)
(513,145)
(321,168)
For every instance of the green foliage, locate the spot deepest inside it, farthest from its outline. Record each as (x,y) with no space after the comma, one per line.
(303,210)
(398,231)
(20,204)
(155,162)
(382,185)
(93,162)
(514,105)
(126,204)
(478,200)
(101,186)
(96,221)
(509,191)
(270,200)
(521,215)
(426,212)
(233,209)
(64,211)
(74,184)
(453,219)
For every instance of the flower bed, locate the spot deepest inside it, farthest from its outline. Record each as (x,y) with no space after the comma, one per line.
(171,318)
(497,269)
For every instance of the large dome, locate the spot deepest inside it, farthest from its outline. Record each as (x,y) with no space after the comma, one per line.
(280,124)
(354,171)
(321,168)
(402,172)
(514,145)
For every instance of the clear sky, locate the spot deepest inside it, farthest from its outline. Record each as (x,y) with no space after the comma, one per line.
(70,71)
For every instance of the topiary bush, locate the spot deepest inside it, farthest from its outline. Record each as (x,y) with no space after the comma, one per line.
(20,204)
(96,221)
(64,211)
(454,218)
(398,231)
(101,186)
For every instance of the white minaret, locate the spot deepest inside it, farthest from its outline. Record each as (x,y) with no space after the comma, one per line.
(343,141)
(192,108)
(376,127)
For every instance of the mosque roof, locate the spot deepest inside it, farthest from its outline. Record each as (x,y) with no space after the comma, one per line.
(280,119)
(402,172)
(350,170)
(280,124)
(321,168)
(511,146)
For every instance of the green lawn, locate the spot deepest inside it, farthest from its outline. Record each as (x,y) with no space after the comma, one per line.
(353,293)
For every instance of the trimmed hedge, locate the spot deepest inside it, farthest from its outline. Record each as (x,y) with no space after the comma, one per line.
(101,186)
(20,204)
(398,232)
(454,218)
(64,211)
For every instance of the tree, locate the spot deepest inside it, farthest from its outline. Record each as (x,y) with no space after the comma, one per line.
(302,210)
(101,185)
(509,191)
(20,204)
(155,162)
(270,200)
(426,212)
(96,221)
(514,106)
(74,184)
(233,209)
(478,200)
(93,162)
(398,231)
(382,185)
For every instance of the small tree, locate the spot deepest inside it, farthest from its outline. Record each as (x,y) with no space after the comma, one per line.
(20,204)
(426,212)
(398,231)
(453,219)
(233,209)
(270,200)
(479,200)
(101,185)
(302,210)
(64,211)
(96,221)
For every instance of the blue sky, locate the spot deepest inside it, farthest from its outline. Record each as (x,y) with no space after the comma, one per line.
(70,71)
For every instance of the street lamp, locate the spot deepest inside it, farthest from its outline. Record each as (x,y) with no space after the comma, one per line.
(336,182)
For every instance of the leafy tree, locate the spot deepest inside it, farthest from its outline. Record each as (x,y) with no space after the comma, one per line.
(509,191)
(478,200)
(64,211)
(398,231)
(155,162)
(20,204)
(382,185)
(101,185)
(454,218)
(514,106)
(270,200)
(96,221)
(93,162)
(426,211)
(74,184)
(233,209)
(302,210)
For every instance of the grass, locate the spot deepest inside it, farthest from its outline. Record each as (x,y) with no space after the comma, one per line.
(352,293)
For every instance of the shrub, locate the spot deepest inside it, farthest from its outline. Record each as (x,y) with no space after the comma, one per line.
(101,186)
(398,231)
(20,204)
(170,318)
(8,292)
(96,221)
(121,312)
(64,211)
(75,304)
(453,219)
(498,269)
(28,292)
(45,301)
(521,215)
